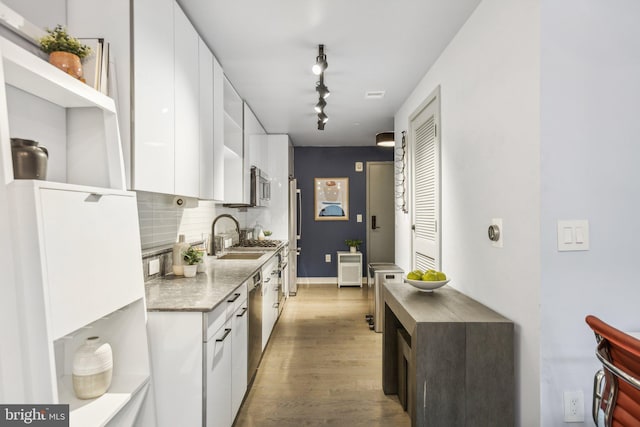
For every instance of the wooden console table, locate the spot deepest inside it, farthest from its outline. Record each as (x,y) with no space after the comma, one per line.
(460,369)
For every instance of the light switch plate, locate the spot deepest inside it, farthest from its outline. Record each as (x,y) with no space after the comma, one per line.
(359,218)
(359,166)
(573,235)
(327,258)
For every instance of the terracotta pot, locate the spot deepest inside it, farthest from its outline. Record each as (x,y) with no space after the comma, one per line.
(67,62)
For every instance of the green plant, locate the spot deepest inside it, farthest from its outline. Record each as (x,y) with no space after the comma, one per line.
(58,40)
(192,256)
(353,242)
(267,233)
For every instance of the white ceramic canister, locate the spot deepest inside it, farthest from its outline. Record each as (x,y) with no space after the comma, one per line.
(92,368)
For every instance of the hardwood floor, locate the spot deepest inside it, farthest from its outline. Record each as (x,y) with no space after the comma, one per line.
(322,366)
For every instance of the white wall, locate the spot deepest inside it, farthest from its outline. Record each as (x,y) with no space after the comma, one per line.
(44,14)
(590,68)
(489,80)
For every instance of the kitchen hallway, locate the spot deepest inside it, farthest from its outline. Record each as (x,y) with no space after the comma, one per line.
(322,366)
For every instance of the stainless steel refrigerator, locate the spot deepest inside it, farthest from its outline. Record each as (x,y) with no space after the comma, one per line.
(295,232)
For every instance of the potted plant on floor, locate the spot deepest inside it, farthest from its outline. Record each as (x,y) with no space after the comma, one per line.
(65,52)
(353,244)
(191,257)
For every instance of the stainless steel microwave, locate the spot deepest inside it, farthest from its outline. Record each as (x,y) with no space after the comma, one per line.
(260,188)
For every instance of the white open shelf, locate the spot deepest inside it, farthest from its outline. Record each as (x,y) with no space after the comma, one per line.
(30,73)
(99,411)
(76,123)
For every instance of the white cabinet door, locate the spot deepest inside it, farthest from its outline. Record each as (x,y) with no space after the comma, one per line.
(187,106)
(92,252)
(207,154)
(153,145)
(234,181)
(218,131)
(239,343)
(218,372)
(269,299)
(255,141)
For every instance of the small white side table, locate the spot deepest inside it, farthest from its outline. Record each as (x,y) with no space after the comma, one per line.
(349,268)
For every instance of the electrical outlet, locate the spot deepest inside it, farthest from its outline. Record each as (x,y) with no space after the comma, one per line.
(327,258)
(574,406)
(154,266)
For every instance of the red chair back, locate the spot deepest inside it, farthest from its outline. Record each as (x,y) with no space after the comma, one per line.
(620,357)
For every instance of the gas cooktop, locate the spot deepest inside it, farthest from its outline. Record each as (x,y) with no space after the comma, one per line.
(254,243)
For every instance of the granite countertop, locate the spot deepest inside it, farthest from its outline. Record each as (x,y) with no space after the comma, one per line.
(205,291)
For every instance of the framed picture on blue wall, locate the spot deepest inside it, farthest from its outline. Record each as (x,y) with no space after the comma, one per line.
(331,199)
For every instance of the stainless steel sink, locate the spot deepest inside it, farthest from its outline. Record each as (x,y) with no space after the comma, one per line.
(242,255)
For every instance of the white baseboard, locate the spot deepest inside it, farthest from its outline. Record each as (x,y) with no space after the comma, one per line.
(321,280)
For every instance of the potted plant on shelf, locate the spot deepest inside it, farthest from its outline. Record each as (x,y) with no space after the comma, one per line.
(353,244)
(191,257)
(65,52)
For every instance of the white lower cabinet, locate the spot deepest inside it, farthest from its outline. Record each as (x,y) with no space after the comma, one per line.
(269,299)
(218,373)
(199,363)
(239,342)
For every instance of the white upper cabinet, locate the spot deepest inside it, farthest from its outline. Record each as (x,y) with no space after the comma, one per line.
(218,131)
(234,189)
(187,106)
(206,121)
(255,140)
(211,126)
(154,143)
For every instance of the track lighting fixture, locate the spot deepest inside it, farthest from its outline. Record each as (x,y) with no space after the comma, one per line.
(322,89)
(321,62)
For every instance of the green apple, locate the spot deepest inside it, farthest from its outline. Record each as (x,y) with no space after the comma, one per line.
(414,276)
(441,275)
(430,276)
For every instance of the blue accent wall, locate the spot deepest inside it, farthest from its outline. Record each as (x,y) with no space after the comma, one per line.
(327,237)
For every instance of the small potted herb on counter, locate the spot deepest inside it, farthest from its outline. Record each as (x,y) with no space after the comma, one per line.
(191,257)
(353,244)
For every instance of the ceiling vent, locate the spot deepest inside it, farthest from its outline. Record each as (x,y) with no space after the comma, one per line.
(374,94)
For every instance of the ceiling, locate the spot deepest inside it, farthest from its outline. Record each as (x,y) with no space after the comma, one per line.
(267,48)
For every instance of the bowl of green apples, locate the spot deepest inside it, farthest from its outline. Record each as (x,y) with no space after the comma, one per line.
(427,281)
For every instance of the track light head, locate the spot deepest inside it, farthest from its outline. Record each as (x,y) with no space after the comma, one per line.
(320,125)
(323,117)
(321,62)
(323,90)
(320,105)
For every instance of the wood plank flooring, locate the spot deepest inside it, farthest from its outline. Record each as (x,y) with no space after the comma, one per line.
(322,366)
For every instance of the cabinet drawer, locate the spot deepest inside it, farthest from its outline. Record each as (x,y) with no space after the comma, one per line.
(236,299)
(92,255)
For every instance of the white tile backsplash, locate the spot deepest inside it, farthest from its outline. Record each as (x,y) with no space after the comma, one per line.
(161,221)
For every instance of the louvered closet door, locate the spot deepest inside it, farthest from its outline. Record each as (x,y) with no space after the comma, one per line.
(426,185)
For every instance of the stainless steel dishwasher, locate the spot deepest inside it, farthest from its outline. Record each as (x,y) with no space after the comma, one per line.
(255,325)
